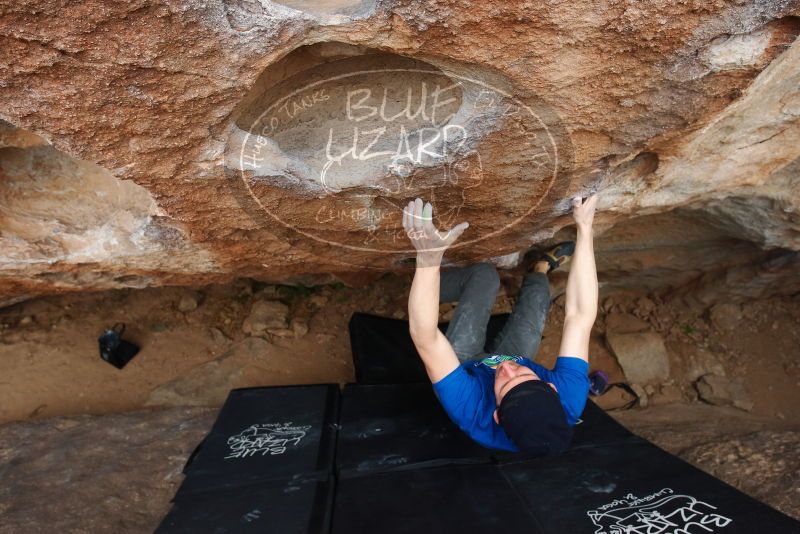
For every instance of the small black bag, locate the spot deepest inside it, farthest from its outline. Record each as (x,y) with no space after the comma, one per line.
(114,349)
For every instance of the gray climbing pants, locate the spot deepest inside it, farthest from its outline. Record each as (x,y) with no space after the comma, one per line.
(475,288)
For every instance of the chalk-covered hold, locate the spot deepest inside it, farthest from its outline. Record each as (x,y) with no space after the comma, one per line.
(728,52)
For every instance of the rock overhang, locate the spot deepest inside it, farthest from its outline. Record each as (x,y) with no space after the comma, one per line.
(643,94)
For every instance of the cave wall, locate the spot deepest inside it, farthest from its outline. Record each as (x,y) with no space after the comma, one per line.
(182,142)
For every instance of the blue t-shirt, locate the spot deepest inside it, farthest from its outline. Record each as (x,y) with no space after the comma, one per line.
(467,395)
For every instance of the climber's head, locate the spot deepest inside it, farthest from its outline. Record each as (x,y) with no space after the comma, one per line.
(530,410)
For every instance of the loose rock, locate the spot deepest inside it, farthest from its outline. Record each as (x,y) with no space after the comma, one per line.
(299,327)
(318,300)
(644,398)
(189,302)
(726,316)
(642,356)
(614,399)
(218,336)
(721,391)
(644,307)
(266,315)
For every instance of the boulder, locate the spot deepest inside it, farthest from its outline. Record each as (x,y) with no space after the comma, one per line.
(642,356)
(144,165)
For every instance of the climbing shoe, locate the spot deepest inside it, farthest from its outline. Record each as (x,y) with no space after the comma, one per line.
(559,255)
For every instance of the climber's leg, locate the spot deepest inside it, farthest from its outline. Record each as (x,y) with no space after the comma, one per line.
(522,333)
(475,288)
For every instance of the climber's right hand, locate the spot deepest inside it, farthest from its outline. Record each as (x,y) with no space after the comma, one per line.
(429,242)
(583,210)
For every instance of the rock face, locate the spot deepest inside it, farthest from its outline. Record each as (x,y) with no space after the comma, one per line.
(121,469)
(184,143)
(764,465)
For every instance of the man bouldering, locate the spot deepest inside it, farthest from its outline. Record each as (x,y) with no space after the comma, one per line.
(501,398)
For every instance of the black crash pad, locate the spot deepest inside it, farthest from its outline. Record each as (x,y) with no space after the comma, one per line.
(279,507)
(268,433)
(624,488)
(470,499)
(636,488)
(595,427)
(403,426)
(383,352)
(392,427)
(610,481)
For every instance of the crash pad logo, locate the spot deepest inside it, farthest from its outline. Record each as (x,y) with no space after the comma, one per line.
(663,512)
(272,438)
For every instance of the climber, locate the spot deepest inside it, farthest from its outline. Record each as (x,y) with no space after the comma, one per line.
(501,398)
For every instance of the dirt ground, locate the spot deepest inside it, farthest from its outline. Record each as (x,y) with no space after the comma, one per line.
(50,364)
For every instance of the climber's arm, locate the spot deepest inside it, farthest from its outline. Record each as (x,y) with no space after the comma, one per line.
(423,316)
(423,301)
(581,297)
